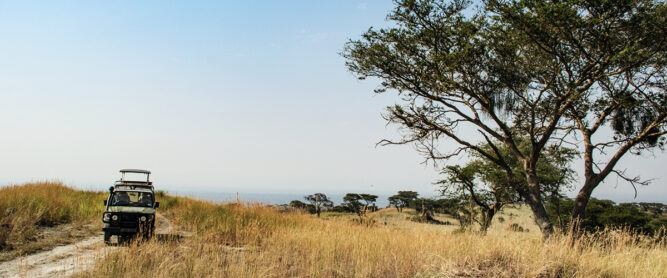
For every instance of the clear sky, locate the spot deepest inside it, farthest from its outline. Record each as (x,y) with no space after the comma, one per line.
(213,96)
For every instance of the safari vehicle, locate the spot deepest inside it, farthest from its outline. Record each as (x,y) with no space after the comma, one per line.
(130,209)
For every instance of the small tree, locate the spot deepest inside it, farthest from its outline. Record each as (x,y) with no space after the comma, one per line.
(402,199)
(487,186)
(369,200)
(353,202)
(319,200)
(297,204)
(426,208)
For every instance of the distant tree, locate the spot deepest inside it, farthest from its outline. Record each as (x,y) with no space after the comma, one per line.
(426,208)
(353,202)
(297,204)
(459,208)
(369,199)
(653,209)
(402,199)
(319,200)
(605,213)
(341,208)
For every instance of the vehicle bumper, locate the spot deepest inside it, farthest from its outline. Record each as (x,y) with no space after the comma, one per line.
(119,230)
(115,230)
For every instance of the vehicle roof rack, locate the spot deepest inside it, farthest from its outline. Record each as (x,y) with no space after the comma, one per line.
(147,184)
(134,187)
(135,171)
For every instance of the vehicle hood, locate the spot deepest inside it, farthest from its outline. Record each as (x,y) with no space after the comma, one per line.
(144,210)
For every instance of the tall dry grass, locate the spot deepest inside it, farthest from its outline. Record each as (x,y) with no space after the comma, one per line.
(27,207)
(253,241)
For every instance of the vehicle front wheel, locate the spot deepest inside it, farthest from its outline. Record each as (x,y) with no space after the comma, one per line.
(107,237)
(124,239)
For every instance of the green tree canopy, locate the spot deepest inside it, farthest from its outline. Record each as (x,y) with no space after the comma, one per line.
(319,200)
(402,199)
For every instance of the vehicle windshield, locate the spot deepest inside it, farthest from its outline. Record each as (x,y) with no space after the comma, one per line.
(131,198)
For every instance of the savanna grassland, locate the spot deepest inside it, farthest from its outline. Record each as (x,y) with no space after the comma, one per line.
(38,216)
(252,240)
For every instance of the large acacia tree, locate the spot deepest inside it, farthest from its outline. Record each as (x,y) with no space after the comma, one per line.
(518,69)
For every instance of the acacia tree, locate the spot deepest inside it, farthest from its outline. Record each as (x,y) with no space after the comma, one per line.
(485,185)
(627,91)
(353,202)
(505,71)
(369,199)
(462,183)
(402,199)
(319,200)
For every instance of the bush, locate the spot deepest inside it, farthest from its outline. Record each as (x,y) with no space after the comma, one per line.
(605,213)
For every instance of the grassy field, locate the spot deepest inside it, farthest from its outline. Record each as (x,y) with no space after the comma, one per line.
(249,240)
(39,216)
(252,240)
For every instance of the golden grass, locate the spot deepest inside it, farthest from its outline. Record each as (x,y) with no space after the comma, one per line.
(250,240)
(26,209)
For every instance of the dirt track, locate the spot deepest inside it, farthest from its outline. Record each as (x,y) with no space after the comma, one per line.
(68,259)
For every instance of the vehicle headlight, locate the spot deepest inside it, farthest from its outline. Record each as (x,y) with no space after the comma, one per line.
(114,218)
(143,218)
(106,216)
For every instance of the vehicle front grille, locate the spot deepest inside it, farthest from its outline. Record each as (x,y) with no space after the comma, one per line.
(129,217)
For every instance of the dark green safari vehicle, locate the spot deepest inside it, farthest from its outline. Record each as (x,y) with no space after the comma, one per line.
(130,209)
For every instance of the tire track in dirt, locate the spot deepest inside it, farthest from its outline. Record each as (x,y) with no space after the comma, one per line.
(68,259)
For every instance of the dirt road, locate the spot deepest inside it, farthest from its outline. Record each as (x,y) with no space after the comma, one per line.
(66,260)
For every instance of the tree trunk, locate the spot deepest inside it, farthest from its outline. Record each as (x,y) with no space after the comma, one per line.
(580,202)
(486,222)
(534,200)
(317,209)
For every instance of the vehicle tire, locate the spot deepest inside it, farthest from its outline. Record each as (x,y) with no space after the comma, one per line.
(124,239)
(107,237)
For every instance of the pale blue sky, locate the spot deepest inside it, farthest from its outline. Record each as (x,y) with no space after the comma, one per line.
(247,96)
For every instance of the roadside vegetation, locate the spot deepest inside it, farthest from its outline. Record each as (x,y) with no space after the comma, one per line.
(251,240)
(26,211)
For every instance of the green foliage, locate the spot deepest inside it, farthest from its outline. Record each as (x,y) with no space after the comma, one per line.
(297,204)
(486,186)
(342,208)
(352,201)
(402,199)
(369,199)
(605,213)
(302,206)
(319,199)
